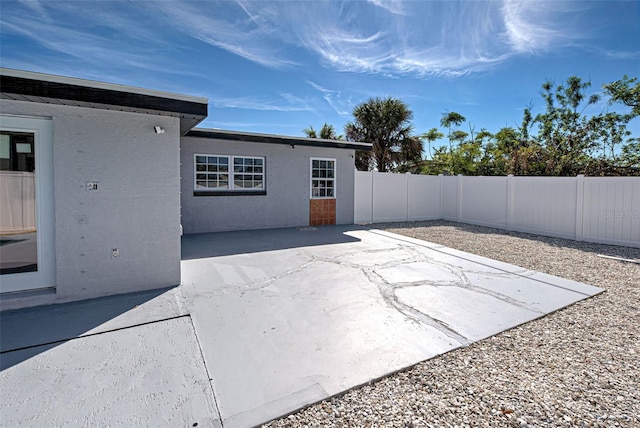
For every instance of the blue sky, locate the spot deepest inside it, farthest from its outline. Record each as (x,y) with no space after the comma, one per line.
(278,67)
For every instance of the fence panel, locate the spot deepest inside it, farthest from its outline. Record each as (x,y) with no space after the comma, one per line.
(389,197)
(596,209)
(363,188)
(484,201)
(17,201)
(423,197)
(449,197)
(611,211)
(545,205)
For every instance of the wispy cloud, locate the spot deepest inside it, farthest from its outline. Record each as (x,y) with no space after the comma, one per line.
(403,38)
(333,98)
(67,40)
(70,42)
(231,26)
(531,26)
(392,6)
(36,7)
(221,124)
(441,38)
(287,103)
(387,37)
(614,54)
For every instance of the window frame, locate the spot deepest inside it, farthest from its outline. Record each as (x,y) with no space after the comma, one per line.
(231,190)
(45,276)
(333,179)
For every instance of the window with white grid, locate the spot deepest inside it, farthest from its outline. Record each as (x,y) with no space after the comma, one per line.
(323,178)
(229,173)
(248,173)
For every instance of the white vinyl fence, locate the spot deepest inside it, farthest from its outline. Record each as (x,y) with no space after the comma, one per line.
(17,202)
(594,209)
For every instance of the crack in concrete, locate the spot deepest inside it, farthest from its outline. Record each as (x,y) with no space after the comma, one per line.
(418,256)
(389,263)
(256,285)
(438,248)
(388,293)
(260,285)
(465,282)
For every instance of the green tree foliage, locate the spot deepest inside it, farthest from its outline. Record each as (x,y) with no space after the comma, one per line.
(626,91)
(569,137)
(327,132)
(448,120)
(431,136)
(561,140)
(468,156)
(386,124)
(594,145)
(630,157)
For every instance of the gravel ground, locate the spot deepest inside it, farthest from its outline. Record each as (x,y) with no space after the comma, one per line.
(578,367)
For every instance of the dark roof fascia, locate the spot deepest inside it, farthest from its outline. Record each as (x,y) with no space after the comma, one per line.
(42,88)
(276,139)
(190,112)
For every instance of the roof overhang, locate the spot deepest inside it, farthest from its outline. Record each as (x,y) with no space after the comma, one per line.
(276,139)
(43,88)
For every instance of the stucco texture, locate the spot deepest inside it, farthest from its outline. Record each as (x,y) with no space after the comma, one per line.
(286,203)
(136,208)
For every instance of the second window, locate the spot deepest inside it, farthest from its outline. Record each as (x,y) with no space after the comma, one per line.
(323,178)
(229,173)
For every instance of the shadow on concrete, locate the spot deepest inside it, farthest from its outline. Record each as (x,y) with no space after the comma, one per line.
(25,333)
(203,245)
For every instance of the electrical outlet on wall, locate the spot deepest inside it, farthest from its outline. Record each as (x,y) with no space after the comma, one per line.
(115,253)
(92,185)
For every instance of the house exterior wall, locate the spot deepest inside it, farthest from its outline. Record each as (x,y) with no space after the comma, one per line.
(136,208)
(286,203)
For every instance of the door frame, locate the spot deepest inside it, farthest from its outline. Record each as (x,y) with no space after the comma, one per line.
(44,277)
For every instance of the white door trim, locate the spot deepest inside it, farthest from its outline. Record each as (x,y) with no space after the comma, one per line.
(42,128)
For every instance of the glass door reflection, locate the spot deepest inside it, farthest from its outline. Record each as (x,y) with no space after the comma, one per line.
(18,231)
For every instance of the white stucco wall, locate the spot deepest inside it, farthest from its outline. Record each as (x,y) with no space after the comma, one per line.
(286,203)
(135,209)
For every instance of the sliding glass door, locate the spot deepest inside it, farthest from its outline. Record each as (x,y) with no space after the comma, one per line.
(26,204)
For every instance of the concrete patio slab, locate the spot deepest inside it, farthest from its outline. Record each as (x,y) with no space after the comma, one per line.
(150,375)
(288,322)
(44,324)
(278,319)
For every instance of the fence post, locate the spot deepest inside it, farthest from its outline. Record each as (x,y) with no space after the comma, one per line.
(407,177)
(373,194)
(509,201)
(440,198)
(579,206)
(459,203)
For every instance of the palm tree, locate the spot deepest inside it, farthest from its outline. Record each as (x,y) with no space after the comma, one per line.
(327,132)
(310,132)
(451,118)
(448,119)
(431,136)
(386,124)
